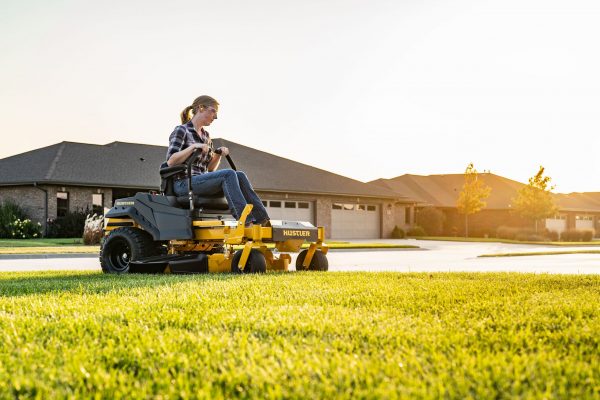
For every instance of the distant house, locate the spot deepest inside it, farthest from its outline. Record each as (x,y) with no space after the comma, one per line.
(576,210)
(53,180)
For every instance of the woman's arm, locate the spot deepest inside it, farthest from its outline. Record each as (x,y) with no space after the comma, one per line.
(181,156)
(216,159)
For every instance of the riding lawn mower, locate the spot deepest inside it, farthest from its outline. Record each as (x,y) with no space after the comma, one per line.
(166,233)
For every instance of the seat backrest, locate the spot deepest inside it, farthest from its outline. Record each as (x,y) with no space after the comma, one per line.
(167,175)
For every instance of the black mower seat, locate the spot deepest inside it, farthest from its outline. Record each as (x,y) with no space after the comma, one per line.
(208,204)
(217,202)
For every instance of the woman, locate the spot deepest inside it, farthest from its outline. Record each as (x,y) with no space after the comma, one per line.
(191,135)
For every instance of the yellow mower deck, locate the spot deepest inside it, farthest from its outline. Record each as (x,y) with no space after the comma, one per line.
(209,235)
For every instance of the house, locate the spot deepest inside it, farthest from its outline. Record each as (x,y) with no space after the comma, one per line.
(576,210)
(68,176)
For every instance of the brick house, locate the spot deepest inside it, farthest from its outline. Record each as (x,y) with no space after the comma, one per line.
(576,210)
(53,180)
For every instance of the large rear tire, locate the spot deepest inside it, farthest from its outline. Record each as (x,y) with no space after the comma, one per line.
(318,263)
(123,245)
(256,263)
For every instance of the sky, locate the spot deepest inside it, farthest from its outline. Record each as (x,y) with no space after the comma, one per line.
(364,88)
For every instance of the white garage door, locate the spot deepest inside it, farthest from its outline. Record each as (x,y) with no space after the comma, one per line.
(290,210)
(584,222)
(355,221)
(556,224)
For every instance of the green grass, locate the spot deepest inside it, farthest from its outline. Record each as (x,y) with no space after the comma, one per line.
(44,242)
(541,253)
(65,246)
(299,335)
(496,240)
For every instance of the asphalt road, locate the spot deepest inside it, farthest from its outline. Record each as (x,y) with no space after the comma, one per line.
(432,257)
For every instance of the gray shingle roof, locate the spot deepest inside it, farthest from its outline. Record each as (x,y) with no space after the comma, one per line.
(132,165)
(443,190)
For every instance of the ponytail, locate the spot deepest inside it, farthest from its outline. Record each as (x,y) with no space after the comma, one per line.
(198,105)
(185,115)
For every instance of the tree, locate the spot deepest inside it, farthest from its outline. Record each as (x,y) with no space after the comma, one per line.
(534,201)
(472,197)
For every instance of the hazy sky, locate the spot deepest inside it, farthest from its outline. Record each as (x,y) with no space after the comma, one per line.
(367,89)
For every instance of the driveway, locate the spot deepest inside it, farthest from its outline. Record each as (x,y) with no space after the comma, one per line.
(433,256)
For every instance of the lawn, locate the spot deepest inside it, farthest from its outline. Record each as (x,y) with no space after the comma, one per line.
(496,240)
(299,335)
(75,245)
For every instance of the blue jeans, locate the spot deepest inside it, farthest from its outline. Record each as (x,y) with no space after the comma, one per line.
(234,184)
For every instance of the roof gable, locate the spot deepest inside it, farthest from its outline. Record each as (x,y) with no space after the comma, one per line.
(132,165)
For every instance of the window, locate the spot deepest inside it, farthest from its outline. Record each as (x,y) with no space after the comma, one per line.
(584,217)
(361,207)
(371,208)
(276,204)
(62,204)
(264,203)
(98,203)
(336,206)
(407,215)
(348,206)
(290,204)
(302,204)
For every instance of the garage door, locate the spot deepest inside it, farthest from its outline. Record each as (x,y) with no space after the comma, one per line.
(558,224)
(584,222)
(355,221)
(290,210)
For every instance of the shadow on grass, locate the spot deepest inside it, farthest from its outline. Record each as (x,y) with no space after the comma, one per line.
(35,283)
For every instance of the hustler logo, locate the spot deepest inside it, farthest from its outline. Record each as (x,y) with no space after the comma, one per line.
(289,232)
(124,203)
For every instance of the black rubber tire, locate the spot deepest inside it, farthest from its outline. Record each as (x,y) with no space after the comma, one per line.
(123,245)
(318,263)
(256,263)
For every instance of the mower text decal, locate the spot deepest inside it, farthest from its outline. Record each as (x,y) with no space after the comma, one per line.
(288,232)
(124,203)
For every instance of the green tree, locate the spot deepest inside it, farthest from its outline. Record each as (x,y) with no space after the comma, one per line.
(534,201)
(472,197)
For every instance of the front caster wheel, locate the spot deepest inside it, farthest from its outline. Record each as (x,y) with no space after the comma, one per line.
(318,263)
(256,263)
(124,245)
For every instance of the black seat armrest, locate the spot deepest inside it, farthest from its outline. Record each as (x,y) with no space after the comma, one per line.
(167,172)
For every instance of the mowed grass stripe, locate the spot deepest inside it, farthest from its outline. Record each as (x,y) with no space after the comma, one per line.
(299,335)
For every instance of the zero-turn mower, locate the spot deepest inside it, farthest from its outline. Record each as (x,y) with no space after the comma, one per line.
(164,233)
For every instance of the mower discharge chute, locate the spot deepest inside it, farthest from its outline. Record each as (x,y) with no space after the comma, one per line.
(163,233)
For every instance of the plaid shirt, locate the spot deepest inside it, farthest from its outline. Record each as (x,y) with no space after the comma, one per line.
(184,136)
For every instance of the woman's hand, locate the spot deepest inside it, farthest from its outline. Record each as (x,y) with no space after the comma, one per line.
(224,151)
(202,146)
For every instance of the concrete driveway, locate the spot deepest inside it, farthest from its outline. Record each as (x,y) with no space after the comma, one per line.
(433,256)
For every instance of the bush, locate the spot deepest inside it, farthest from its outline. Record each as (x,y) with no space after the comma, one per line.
(431,220)
(575,235)
(587,235)
(93,229)
(398,233)
(25,229)
(553,236)
(9,213)
(416,231)
(71,225)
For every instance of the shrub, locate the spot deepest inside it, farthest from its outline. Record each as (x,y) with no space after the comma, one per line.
(9,213)
(587,235)
(398,233)
(71,225)
(575,235)
(416,231)
(431,220)
(553,236)
(93,229)
(25,229)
